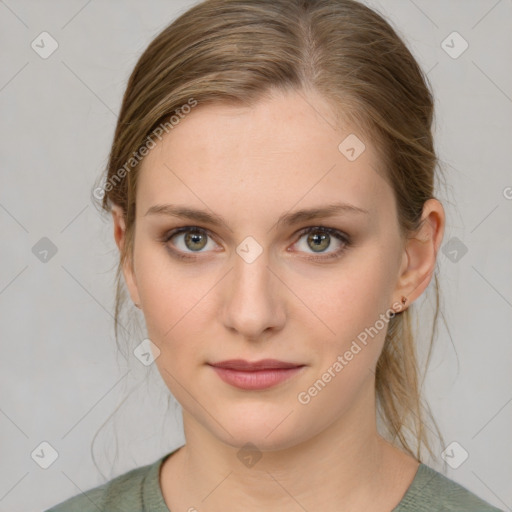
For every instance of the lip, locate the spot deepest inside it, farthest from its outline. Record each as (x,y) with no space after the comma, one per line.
(262,364)
(255,375)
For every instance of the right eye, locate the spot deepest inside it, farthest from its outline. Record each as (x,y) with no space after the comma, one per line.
(187,240)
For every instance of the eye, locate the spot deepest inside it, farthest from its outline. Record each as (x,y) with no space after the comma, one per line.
(185,241)
(319,239)
(188,239)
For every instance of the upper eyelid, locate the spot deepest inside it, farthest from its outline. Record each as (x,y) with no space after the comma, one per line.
(181,229)
(298,233)
(184,229)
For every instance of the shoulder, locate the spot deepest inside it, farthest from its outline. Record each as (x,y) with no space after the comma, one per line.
(122,493)
(431,491)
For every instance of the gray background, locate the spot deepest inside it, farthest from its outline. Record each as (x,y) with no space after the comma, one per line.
(61,376)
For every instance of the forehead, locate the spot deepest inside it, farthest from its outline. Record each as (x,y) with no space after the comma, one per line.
(280,151)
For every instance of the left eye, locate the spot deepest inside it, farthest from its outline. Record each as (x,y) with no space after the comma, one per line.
(318,239)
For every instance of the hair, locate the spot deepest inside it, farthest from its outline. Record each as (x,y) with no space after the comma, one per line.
(237,52)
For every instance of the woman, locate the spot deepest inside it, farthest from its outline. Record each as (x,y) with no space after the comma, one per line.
(271,188)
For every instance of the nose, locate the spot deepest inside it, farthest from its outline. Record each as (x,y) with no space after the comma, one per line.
(253,299)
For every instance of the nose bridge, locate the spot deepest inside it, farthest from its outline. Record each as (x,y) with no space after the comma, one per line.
(252,299)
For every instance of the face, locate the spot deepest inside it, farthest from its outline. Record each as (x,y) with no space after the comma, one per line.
(263,283)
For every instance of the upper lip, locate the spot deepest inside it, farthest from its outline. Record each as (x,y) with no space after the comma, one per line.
(263,364)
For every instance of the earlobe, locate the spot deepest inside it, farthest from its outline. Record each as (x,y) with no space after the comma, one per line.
(420,254)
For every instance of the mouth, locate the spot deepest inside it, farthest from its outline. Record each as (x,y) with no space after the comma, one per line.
(255,375)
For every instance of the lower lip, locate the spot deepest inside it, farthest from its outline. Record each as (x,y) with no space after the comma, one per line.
(259,379)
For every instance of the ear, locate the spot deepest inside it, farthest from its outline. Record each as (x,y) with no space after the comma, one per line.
(420,253)
(120,237)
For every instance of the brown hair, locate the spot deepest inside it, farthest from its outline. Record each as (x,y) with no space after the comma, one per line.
(237,51)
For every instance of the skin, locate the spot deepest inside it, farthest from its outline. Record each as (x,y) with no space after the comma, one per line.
(252,165)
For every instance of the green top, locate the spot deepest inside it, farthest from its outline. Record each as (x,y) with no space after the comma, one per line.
(139,490)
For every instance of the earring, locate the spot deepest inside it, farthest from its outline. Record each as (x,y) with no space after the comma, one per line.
(404,300)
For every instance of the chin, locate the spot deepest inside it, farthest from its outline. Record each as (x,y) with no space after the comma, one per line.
(266,433)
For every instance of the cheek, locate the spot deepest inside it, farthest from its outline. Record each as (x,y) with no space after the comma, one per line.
(166,293)
(354,306)
(352,296)
(338,303)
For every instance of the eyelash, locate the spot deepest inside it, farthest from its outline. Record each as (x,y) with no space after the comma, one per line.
(342,237)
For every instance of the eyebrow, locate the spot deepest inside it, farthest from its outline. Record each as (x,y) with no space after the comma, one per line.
(287,219)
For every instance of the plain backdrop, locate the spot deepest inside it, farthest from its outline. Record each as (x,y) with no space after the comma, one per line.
(61,375)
